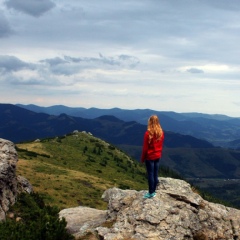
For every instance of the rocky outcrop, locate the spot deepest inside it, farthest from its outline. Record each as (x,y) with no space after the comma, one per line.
(176,213)
(8,179)
(10,184)
(82,220)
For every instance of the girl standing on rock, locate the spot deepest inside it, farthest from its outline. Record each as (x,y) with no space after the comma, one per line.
(152,152)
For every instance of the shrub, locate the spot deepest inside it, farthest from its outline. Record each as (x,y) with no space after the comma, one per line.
(37,221)
(124,186)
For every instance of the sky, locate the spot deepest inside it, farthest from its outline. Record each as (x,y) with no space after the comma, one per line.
(165,55)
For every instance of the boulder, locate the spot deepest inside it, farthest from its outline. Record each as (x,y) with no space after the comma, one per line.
(10,184)
(176,213)
(82,220)
(8,179)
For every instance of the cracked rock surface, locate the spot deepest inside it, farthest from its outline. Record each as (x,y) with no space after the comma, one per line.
(176,213)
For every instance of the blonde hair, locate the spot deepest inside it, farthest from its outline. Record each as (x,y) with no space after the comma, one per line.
(154,128)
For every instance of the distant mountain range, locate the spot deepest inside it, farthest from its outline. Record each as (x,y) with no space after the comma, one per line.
(19,124)
(185,154)
(220,130)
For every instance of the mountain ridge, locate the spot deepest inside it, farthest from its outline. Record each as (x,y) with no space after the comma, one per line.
(39,125)
(62,108)
(218,129)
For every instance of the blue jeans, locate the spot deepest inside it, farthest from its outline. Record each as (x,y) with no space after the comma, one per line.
(152,172)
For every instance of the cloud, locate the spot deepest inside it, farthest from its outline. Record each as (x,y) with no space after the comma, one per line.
(12,64)
(25,78)
(34,8)
(5,29)
(120,60)
(195,70)
(19,81)
(54,61)
(232,5)
(66,71)
(68,65)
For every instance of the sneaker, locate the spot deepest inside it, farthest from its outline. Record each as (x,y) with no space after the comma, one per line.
(149,195)
(153,194)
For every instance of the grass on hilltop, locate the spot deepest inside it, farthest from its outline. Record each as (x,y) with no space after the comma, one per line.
(75,169)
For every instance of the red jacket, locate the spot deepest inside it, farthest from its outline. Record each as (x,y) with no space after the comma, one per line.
(152,150)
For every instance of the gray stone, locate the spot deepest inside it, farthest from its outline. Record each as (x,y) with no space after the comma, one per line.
(176,213)
(10,184)
(8,179)
(82,220)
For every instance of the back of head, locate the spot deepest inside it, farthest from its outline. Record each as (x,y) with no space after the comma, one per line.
(154,127)
(153,121)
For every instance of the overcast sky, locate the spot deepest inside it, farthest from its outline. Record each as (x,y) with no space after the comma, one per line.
(167,55)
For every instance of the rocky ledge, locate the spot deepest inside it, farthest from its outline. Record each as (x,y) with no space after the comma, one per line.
(176,213)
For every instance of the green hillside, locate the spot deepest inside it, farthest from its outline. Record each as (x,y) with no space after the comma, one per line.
(75,169)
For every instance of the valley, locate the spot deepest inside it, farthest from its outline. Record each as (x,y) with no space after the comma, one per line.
(226,189)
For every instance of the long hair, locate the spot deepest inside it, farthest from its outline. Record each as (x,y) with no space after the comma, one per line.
(154,128)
